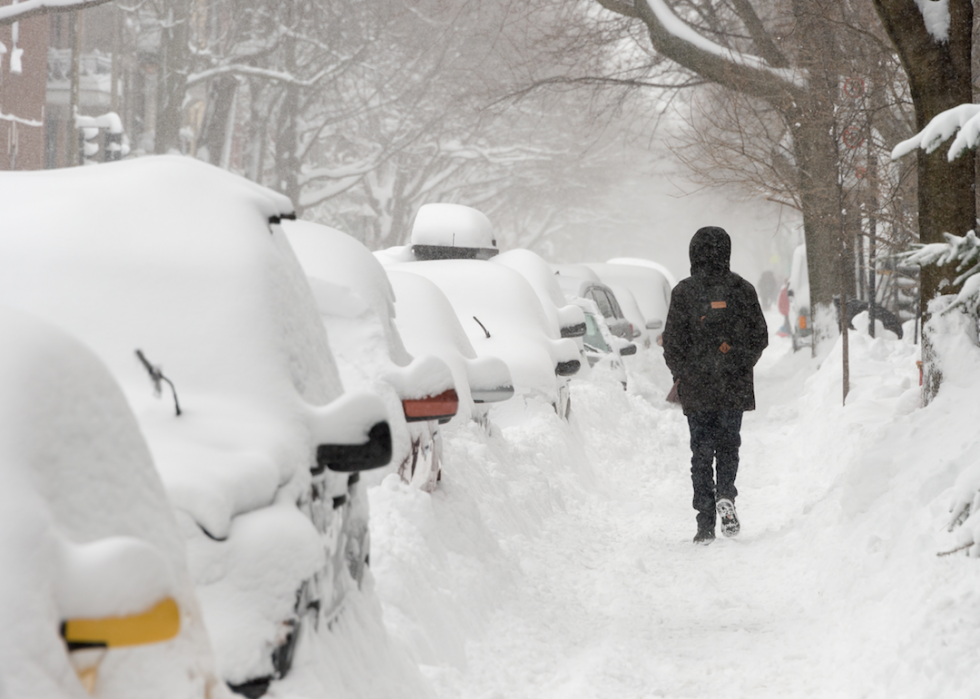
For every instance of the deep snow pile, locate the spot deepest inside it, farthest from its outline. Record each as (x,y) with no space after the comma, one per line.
(555,559)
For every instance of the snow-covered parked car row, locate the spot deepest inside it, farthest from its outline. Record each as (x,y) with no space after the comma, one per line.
(194,383)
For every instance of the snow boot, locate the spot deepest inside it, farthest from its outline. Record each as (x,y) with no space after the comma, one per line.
(705,535)
(728,517)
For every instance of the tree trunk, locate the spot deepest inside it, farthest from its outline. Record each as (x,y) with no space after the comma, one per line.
(217,117)
(939,74)
(813,145)
(287,144)
(172,78)
(817,154)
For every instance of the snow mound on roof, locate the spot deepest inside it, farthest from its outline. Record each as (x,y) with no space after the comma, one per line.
(177,258)
(452,225)
(575,271)
(85,528)
(641,262)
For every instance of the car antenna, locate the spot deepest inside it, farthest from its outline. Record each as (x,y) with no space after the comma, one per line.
(482,326)
(156,376)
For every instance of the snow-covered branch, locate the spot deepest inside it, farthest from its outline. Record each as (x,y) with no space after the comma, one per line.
(674,38)
(254,71)
(18,120)
(28,8)
(965,119)
(682,31)
(965,250)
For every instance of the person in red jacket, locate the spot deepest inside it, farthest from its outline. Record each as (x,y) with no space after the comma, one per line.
(783,305)
(714,336)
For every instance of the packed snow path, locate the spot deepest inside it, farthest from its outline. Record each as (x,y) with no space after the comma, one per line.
(556,561)
(618,602)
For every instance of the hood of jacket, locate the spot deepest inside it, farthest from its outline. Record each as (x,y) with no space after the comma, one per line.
(710,252)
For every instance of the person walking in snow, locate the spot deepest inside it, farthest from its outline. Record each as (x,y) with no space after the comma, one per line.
(714,335)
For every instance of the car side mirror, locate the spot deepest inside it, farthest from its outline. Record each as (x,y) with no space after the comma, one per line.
(491,395)
(441,407)
(348,458)
(577,330)
(569,368)
(628,350)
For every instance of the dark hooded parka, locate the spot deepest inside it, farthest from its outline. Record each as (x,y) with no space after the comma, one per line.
(715,331)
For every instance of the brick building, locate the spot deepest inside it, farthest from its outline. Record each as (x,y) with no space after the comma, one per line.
(23,93)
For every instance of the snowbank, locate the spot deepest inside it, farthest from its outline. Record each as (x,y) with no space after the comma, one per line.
(558,561)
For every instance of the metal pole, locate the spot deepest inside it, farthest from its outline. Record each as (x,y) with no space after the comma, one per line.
(872,229)
(73,144)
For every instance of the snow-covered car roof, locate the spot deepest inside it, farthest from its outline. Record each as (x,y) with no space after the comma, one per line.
(575,270)
(452,231)
(429,325)
(85,528)
(332,256)
(502,317)
(643,262)
(650,288)
(567,318)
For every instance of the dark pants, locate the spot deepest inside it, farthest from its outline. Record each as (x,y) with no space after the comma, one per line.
(715,439)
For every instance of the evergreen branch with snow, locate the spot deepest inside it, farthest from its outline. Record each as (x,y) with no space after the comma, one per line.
(964,121)
(963,250)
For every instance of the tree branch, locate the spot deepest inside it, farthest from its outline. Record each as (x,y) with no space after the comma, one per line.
(738,71)
(766,47)
(29,8)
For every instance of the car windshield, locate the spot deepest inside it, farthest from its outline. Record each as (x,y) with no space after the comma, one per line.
(593,336)
(602,301)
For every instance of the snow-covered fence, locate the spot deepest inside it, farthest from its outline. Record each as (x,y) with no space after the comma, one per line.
(88,129)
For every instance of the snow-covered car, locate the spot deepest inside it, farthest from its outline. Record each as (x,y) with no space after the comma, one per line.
(179,278)
(452,232)
(445,232)
(649,286)
(603,349)
(801,329)
(97,595)
(566,317)
(356,304)
(604,299)
(642,262)
(429,325)
(503,318)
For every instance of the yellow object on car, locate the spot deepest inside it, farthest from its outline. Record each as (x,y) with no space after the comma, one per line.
(160,623)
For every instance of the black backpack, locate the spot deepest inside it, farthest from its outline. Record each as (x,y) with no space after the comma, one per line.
(719,326)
